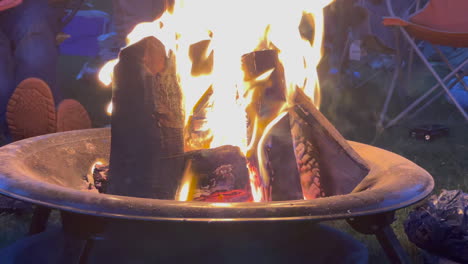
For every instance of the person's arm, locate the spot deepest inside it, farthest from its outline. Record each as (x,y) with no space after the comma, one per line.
(7,4)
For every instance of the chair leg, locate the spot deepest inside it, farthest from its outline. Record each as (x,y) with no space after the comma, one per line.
(423,97)
(393,84)
(380,226)
(430,101)
(434,73)
(390,244)
(445,59)
(391,90)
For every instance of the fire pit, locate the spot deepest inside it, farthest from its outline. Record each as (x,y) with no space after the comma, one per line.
(217,149)
(48,171)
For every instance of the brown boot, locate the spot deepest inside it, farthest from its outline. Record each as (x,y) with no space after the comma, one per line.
(31,110)
(71,115)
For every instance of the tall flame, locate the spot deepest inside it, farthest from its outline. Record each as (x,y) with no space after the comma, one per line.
(232,29)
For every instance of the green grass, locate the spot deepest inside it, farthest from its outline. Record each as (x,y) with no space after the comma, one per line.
(12,227)
(355,113)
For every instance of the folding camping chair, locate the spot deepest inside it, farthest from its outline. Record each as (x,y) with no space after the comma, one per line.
(440,22)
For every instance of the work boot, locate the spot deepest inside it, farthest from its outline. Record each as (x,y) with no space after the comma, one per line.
(71,115)
(31,110)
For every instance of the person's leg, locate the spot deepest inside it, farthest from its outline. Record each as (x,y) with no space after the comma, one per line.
(32,27)
(6,77)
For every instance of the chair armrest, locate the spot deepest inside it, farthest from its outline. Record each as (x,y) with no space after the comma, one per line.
(57,1)
(394,21)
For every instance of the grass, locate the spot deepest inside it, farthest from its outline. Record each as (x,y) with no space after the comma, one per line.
(12,227)
(355,113)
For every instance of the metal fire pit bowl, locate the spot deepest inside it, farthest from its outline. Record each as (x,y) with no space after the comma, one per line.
(48,171)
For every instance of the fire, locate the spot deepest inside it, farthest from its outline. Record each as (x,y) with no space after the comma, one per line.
(225,31)
(110,108)
(97,163)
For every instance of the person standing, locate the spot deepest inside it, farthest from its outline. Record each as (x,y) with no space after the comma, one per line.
(28,68)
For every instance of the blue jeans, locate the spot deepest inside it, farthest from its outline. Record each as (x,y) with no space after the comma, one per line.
(27,48)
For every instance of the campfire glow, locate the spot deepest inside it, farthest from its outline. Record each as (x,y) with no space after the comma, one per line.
(224,31)
(109,108)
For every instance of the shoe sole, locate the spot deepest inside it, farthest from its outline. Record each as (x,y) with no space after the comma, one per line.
(31,110)
(71,115)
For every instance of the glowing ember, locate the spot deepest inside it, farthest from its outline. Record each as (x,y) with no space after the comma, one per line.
(110,108)
(224,31)
(96,164)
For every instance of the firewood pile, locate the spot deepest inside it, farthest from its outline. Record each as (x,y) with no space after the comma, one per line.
(440,226)
(301,156)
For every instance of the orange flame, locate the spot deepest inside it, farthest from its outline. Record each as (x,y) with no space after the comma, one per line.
(110,108)
(235,28)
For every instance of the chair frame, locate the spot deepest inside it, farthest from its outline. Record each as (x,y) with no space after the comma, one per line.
(441,81)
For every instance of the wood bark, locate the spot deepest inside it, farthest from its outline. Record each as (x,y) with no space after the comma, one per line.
(147,123)
(196,136)
(308,158)
(329,166)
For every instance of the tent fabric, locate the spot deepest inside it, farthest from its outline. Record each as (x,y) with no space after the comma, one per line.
(440,22)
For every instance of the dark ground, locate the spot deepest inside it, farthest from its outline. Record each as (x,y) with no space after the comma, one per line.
(353,111)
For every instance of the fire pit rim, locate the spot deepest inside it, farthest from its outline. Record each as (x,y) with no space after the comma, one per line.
(368,198)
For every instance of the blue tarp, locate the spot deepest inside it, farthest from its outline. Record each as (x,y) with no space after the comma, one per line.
(85,28)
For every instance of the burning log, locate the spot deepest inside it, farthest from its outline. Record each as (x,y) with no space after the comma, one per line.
(217,175)
(328,163)
(196,135)
(147,123)
(265,76)
(202,62)
(286,177)
(308,158)
(98,179)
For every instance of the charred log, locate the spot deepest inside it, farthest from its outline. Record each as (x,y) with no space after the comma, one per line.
(202,62)
(285,177)
(147,123)
(218,175)
(264,74)
(340,169)
(196,135)
(101,177)
(307,157)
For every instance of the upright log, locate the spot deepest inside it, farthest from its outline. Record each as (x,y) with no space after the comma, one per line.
(339,169)
(147,124)
(285,174)
(196,135)
(308,158)
(269,100)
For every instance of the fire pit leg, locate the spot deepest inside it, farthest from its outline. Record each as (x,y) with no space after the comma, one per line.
(380,226)
(80,231)
(391,245)
(39,220)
